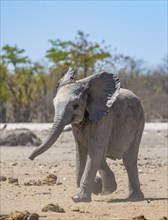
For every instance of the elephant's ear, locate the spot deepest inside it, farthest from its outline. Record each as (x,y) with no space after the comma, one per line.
(103,89)
(68,77)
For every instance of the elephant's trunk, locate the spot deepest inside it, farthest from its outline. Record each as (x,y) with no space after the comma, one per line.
(56,130)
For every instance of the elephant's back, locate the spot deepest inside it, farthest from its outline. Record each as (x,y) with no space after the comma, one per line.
(127,108)
(127,119)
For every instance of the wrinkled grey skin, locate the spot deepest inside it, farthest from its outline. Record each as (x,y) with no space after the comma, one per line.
(107,121)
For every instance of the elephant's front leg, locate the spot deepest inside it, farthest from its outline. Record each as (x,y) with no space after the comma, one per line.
(81,156)
(94,159)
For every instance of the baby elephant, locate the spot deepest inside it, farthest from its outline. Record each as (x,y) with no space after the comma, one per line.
(107,121)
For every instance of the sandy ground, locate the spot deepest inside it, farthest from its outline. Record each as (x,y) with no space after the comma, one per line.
(60,160)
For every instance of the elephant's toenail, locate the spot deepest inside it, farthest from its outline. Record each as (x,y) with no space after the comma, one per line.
(75,198)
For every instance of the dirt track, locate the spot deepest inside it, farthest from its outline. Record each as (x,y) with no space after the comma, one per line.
(60,160)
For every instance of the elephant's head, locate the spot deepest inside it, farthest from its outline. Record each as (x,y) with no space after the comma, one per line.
(93,95)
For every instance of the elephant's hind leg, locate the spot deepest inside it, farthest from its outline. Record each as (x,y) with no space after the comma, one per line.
(130,163)
(97,187)
(108,179)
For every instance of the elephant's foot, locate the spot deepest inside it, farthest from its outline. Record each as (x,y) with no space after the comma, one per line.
(82,196)
(136,195)
(108,179)
(109,187)
(97,187)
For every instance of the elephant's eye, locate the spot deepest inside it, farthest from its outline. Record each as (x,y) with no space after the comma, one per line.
(76,106)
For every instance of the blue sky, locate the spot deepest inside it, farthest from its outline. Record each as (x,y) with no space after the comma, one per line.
(134,28)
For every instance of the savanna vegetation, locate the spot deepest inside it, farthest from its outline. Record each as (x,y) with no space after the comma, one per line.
(27,88)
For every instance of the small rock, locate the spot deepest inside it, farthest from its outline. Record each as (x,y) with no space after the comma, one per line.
(3,178)
(52,176)
(28,184)
(65,178)
(75,209)
(50,180)
(59,183)
(16,215)
(14,164)
(33,216)
(148,201)
(12,180)
(46,193)
(140,217)
(53,207)
(164,218)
